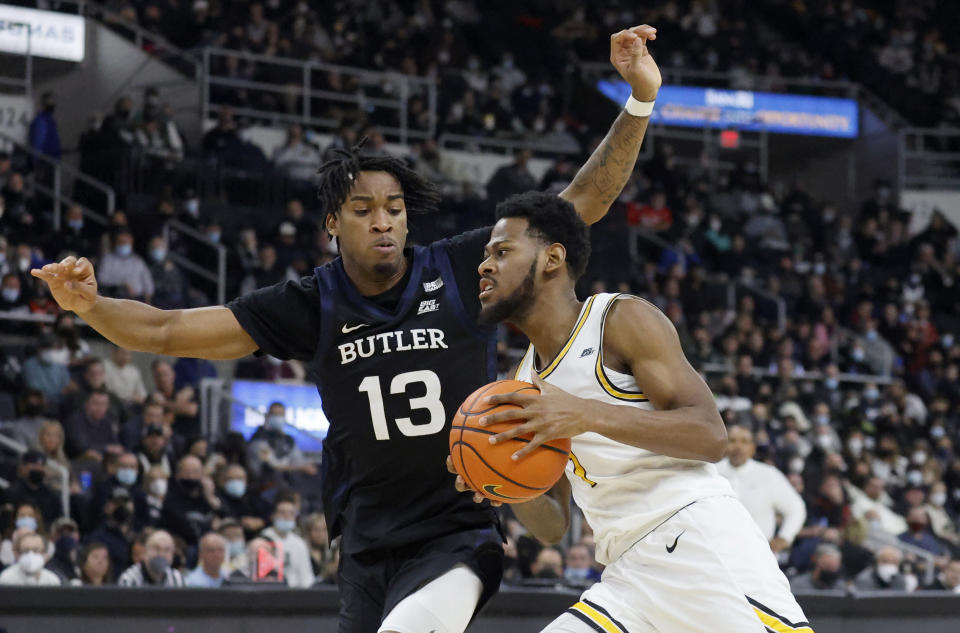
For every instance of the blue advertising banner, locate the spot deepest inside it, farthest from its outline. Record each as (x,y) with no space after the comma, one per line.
(305,419)
(689,106)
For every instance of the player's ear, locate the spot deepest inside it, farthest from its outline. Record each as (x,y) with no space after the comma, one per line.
(556,257)
(331,223)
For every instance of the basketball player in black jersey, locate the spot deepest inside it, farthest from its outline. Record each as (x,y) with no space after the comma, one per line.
(390,335)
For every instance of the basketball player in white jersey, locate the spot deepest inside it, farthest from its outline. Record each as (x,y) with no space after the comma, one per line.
(682,554)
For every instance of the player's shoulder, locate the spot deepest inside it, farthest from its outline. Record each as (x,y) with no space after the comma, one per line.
(634,326)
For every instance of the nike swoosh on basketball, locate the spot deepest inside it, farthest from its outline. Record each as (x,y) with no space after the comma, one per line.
(347,330)
(670,548)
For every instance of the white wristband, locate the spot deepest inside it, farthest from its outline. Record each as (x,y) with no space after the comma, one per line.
(638,108)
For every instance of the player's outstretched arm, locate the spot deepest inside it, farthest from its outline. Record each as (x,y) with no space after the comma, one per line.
(212,333)
(600,181)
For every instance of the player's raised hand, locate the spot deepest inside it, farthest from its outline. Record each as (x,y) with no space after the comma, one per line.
(462,486)
(629,55)
(551,415)
(72,283)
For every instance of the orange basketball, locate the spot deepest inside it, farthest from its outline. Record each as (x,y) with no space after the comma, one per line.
(488,468)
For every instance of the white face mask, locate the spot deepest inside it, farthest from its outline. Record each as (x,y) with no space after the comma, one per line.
(887,571)
(55,356)
(919,457)
(938,499)
(30,562)
(158,487)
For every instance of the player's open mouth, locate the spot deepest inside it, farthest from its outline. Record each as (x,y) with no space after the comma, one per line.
(486,287)
(384,247)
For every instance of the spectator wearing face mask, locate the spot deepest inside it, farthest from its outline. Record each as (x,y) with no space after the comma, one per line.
(825,575)
(27,519)
(210,571)
(919,535)
(65,535)
(28,570)
(232,533)
(155,445)
(115,527)
(579,568)
(121,472)
(122,273)
(548,564)
(240,503)
(298,570)
(157,567)
(884,575)
(873,504)
(941,523)
(271,448)
(188,509)
(30,487)
(123,379)
(47,371)
(148,507)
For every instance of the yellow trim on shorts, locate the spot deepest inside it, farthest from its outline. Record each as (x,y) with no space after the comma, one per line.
(573,336)
(603,621)
(776,625)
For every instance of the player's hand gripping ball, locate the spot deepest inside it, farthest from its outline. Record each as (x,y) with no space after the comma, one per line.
(489,468)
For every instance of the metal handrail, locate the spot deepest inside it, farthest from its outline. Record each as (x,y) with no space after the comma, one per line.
(813,376)
(307,93)
(59,168)
(219,277)
(20,449)
(879,538)
(212,392)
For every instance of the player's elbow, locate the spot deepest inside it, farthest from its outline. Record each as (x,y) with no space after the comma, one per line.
(715,446)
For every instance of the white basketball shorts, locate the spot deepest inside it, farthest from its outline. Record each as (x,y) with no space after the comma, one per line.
(706,569)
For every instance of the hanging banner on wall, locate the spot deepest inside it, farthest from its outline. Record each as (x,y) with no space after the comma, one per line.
(43,33)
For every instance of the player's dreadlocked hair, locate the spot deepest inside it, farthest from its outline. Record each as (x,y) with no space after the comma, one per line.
(335,179)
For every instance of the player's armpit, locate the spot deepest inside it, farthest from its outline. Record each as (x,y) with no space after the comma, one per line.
(686,422)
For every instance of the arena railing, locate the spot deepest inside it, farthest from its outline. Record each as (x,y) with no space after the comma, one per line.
(466,141)
(303,90)
(877,538)
(59,173)
(929,159)
(219,277)
(64,474)
(184,61)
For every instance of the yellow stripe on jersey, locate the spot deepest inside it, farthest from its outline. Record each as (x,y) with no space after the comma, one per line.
(603,621)
(608,386)
(516,376)
(573,336)
(774,624)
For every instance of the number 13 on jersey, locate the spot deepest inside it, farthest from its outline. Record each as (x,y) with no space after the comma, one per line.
(429,401)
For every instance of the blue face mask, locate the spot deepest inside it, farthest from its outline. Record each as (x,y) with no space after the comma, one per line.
(213,237)
(11,294)
(236,488)
(127,476)
(27,522)
(831,383)
(158,254)
(284,526)
(235,548)
(274,423)
(76,225)
(124,250)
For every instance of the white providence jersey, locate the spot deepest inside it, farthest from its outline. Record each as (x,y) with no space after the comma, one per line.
(623,491)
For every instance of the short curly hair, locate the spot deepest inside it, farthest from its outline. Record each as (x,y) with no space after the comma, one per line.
(552,220)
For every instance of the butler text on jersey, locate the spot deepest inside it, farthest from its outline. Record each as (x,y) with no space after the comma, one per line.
(388,342)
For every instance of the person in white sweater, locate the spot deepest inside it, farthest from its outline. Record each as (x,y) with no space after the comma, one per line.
(297,570)
(28,569)
(763,489)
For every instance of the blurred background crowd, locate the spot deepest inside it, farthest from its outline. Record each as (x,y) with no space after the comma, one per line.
(828,331)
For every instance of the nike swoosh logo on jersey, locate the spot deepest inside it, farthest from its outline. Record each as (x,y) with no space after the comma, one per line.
(670,548)
(346,330)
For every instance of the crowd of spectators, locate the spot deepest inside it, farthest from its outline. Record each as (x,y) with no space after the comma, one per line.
(839,356)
